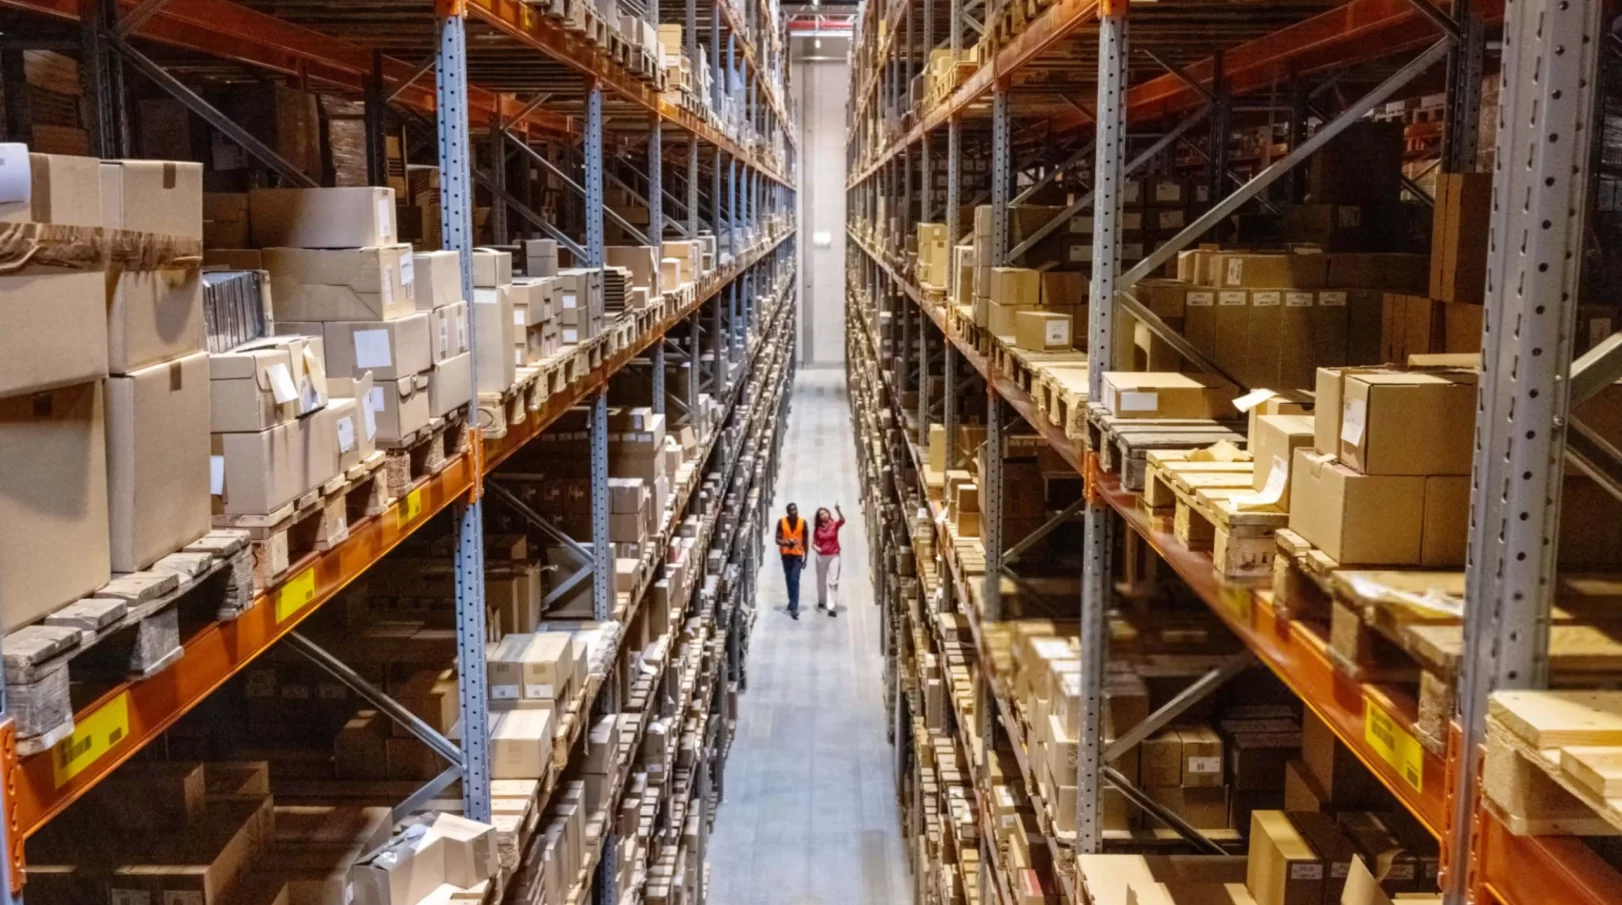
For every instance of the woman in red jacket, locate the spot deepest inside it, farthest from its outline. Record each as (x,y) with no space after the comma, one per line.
(825,540)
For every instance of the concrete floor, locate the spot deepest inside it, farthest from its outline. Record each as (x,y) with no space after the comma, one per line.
(810,814)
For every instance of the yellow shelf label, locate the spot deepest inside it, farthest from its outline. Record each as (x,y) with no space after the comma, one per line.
(1394,745)
(92,737)
(410,507)
(296,594)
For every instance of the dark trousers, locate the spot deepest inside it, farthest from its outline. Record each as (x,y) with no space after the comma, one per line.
(792,567)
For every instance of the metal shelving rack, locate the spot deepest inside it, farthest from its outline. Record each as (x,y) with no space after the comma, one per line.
(519,75)
(1079,84)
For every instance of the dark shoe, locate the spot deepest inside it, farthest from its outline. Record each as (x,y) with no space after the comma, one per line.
(795,614)
(833,612)
(821,607)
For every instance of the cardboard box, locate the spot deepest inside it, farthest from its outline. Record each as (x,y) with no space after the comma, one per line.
(495,334)
(1356,518)
(350,423)
(1014,286)
(157,460)
(450,385)
(64,189)
(1204,807)
(491,268)
(400,406)
(251,390)
(1283,868)
(355,284)
(449,330)
(1161,394)
(1277,438)
(1334,849)
(225,220)
(436,278)
(469,849)
(357,217)
(530,668)
(1445,535)
(1460,221)
(406,870)
(153,196)
(1270,270)
(258,473)
(521,743)
(53,330)
(1042,331)
(1201,756)
(390,349)
(1395,423)
(53,501)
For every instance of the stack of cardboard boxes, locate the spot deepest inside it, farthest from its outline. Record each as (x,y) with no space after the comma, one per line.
(104,389)
(1374,487)
(497,339)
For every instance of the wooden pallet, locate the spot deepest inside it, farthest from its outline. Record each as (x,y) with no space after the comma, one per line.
(130,628)
(1124,444)
(425,452)
(1209,511)
(1554,762)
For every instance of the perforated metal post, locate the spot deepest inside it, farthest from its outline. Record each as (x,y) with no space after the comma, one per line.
(1540,179)
(656,188)
(949,418)
(1096,581)
(734,218)
(602,576)
(456,223)
(1002,172)
(594,176)
(1461,134)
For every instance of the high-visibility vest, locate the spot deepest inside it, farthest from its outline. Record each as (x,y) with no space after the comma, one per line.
(790,538)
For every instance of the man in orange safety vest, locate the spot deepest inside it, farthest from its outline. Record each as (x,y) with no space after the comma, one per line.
(791,544)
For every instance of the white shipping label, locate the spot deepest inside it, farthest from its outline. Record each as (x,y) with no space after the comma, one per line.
(372,349)
(1058,333)
(216,475)
(374,400)
(346,433)
(569,301)
(1132,401)
(1252,399)
(385,219)
(281,384)
(1399,872)
(461,332)
(1204,765)
(1307,872)
(1298,300)
(1201,299)
(388,285)
(1171,219)
(444,344)
(542,692)
(349,893)
(1269,299)
(16,174)
(1233,299)
(519,319)
(1352,414)
(1236,272)
(1168,191)
(369,417)
(1340,869)
(504,692)
(408,272)
(1273,490)
(1331,299)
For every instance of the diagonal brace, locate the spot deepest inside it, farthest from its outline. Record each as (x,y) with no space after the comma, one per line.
(396,711)
(534,518)
(518,207)
(1201,689)
(552,168)
(1046,528)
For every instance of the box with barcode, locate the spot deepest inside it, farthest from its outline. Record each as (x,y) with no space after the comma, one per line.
(1165,394)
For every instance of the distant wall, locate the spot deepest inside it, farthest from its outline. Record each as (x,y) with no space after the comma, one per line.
(821,85)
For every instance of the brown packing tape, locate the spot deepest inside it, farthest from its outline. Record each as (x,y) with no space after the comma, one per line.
(91,248)
(170,174)
(74,247)
(177,379)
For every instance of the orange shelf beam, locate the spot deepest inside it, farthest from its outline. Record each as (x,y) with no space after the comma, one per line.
(1533,870)
(230,31)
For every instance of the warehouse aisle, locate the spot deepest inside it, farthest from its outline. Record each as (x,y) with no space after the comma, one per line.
(810,815)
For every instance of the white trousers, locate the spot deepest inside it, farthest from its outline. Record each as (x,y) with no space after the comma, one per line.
(827,579)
